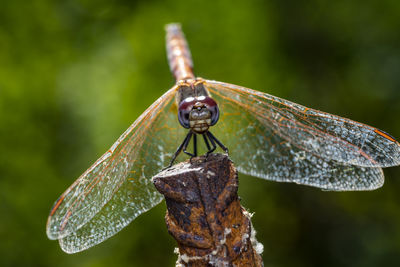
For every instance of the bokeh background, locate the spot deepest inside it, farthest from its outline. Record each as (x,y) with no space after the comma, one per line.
(74,74)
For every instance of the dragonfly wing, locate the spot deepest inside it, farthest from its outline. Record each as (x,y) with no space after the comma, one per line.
(275,159)
(118,188)
(258,150)
(135,196)
(325,135)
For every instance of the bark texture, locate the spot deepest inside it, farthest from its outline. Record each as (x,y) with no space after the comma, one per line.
(204,214)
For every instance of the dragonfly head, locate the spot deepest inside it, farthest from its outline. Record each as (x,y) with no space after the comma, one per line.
(198,113)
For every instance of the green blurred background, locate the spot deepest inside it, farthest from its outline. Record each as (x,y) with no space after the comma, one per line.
(75,74)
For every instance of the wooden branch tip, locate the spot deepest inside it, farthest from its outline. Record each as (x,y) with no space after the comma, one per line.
(204,214)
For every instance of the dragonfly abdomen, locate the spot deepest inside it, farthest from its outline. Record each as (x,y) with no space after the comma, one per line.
(179,57)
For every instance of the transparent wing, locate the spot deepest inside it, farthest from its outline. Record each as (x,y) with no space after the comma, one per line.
(325,135)
(263,147)
(118,188)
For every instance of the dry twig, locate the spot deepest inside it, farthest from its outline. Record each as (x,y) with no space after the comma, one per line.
(204,214)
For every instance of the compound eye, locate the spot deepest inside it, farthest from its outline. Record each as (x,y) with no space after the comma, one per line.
(214,115)
(212,106)
(183,117)
(183,113)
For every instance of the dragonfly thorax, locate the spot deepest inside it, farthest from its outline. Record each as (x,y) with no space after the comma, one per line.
(198,113)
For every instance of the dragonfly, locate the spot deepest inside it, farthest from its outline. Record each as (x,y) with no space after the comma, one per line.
(267,136)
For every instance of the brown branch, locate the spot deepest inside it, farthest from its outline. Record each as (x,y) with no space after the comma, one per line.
(204,214)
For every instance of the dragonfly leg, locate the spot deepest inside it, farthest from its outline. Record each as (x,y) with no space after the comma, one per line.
(206,141)
(212,137)
(185,145)
(195,145)
(181,146)
(210,150)
(194,148)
